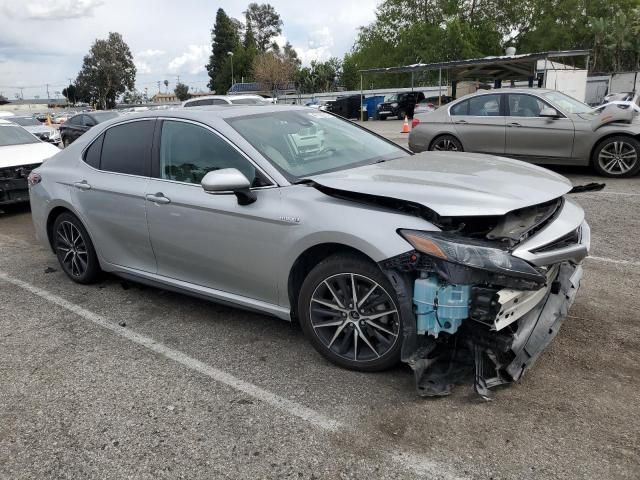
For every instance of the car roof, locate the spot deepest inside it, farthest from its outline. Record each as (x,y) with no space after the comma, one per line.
(8,123)
(205,112)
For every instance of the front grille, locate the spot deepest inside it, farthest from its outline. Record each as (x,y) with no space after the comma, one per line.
(13,173)
(571,238)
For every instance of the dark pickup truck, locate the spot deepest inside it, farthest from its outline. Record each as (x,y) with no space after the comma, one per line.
(398,105)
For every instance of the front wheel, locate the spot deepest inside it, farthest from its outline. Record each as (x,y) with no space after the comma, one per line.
(74,249)
(617,157)
(447,143)
(349,313)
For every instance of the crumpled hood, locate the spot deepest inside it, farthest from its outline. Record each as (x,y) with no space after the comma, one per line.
(453,183)
(18,155)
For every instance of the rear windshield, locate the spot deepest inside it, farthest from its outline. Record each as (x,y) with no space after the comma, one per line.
(247,101)
(26,121)
(15,135)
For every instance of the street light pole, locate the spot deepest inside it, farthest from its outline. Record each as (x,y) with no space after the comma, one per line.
(231,55)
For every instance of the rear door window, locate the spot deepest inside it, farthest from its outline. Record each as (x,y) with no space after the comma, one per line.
(461,108)
(127,148)
(92,155)
(484,106)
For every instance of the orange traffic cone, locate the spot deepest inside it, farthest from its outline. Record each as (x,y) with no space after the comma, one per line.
(405,126)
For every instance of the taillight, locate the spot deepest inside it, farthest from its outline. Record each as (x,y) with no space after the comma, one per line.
(414,123)
(431,105)
(34,179)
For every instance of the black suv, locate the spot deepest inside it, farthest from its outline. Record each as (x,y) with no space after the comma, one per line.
(399,104)
(78,124)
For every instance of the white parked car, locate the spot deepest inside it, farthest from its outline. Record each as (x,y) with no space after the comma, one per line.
(42,131)
(20,152)
(225,100)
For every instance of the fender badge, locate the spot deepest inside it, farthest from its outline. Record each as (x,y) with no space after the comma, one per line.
(288,219)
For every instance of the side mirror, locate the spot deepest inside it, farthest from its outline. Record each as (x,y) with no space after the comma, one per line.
(549,112)
(229,180)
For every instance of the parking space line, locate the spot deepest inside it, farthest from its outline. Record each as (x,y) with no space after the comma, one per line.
(417,463)
(612,260)
(604,192)
(281,403)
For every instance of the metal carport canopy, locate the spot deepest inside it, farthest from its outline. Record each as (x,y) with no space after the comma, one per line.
(507,67)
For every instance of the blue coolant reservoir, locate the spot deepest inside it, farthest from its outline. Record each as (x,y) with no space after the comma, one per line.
(440,307)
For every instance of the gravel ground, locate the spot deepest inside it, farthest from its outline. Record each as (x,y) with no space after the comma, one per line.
(116,380)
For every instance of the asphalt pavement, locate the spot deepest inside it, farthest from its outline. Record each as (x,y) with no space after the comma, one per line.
(117,380)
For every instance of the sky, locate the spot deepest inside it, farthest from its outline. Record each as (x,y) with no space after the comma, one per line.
(44,41)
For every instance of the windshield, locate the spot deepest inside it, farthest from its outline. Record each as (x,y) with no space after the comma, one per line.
(26,121)
(14,135)
(104,116)
(302,143)
(391,98)
(247,101)
(566,103)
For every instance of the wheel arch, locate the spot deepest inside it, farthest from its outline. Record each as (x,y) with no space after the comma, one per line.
(307,260)
(607,136)
(445,134)
(54,213)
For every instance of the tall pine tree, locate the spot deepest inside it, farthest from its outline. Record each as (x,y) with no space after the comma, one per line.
(224,39)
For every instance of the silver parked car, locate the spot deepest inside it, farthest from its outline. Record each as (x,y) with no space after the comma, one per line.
(536,125)
(380,254)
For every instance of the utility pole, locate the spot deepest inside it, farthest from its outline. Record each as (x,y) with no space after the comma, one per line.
(48,97)
(21,93)
(159,82)
(177,79)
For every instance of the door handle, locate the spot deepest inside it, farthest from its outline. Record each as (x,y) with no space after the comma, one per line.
(460,121)
(158,198)
(513,124)
(83,185)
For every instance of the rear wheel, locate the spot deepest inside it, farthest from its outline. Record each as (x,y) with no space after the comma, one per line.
(617,157)
(349,313)
(65,142)
(401,114)
(447,143)
(74,249)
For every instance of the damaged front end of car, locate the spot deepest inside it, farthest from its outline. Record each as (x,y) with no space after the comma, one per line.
(480,304)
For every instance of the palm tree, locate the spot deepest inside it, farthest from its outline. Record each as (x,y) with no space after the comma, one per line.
(166,85)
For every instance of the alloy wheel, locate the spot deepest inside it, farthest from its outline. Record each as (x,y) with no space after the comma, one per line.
(72,249)
(354,317)
(445,144)
(618,157)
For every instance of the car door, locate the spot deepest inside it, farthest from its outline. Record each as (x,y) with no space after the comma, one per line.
(72,128)
(108,191)
(88,122)
(536,138)
(479,123)
(209,239)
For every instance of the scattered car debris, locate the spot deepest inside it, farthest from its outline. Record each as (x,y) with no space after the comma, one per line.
(589,187)
(122,324)
(50,270)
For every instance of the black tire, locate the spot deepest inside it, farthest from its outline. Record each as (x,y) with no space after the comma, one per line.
(382,117)
(77,256)
(65,142)
(447,143)
(401,114)
(379,340)
(617,157)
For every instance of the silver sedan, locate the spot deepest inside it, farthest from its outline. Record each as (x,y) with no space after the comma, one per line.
(536,125)
(381,255)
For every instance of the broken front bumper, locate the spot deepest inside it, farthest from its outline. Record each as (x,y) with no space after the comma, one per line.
(487,354)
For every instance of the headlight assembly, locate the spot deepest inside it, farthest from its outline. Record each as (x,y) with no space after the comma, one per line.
(465,252)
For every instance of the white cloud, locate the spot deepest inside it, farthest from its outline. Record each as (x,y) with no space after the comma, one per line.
(51,9)
(142,67)
(150,52)
(192,61)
